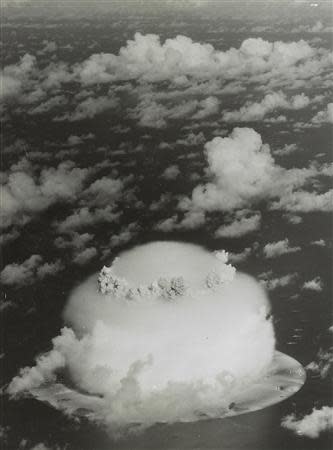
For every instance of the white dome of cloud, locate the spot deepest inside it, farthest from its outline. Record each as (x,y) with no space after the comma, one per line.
(168,333)
(189,338)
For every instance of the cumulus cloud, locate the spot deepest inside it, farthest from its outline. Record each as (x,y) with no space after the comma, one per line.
(240,257)
(24,195)
(86,217)
(48,105)
(105,191)
(171,172)
(244,223)
(77,140)
(168,224)
(49,47)
(14,77)
(42,446)
(192,139)
(190,221)
(190,69)
(293,218)
(89,108)
(304,201)
(161,202)
(287,149)
(145,58)
(275,249)
(101,199)
(325,116)
(73,240)
(27,272)
(311,425)
(85,256)
(253,111)
(243,157)
(48,269)
(314,285)
(25,83)
(322,364)
(153,114)
(10,236)
(319,243)
(271,283)
(79,244)
(125,235)
(207,107)
(150,114)
(21,274)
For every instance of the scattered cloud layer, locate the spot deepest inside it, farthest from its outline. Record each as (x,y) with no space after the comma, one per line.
(254,111)
(32,269)
(176,59)
(242,156)
(194,74)
(25,195)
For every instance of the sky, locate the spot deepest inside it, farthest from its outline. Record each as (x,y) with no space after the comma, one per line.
(198,121)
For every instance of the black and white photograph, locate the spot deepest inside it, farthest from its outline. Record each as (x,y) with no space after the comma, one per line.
(166,217)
